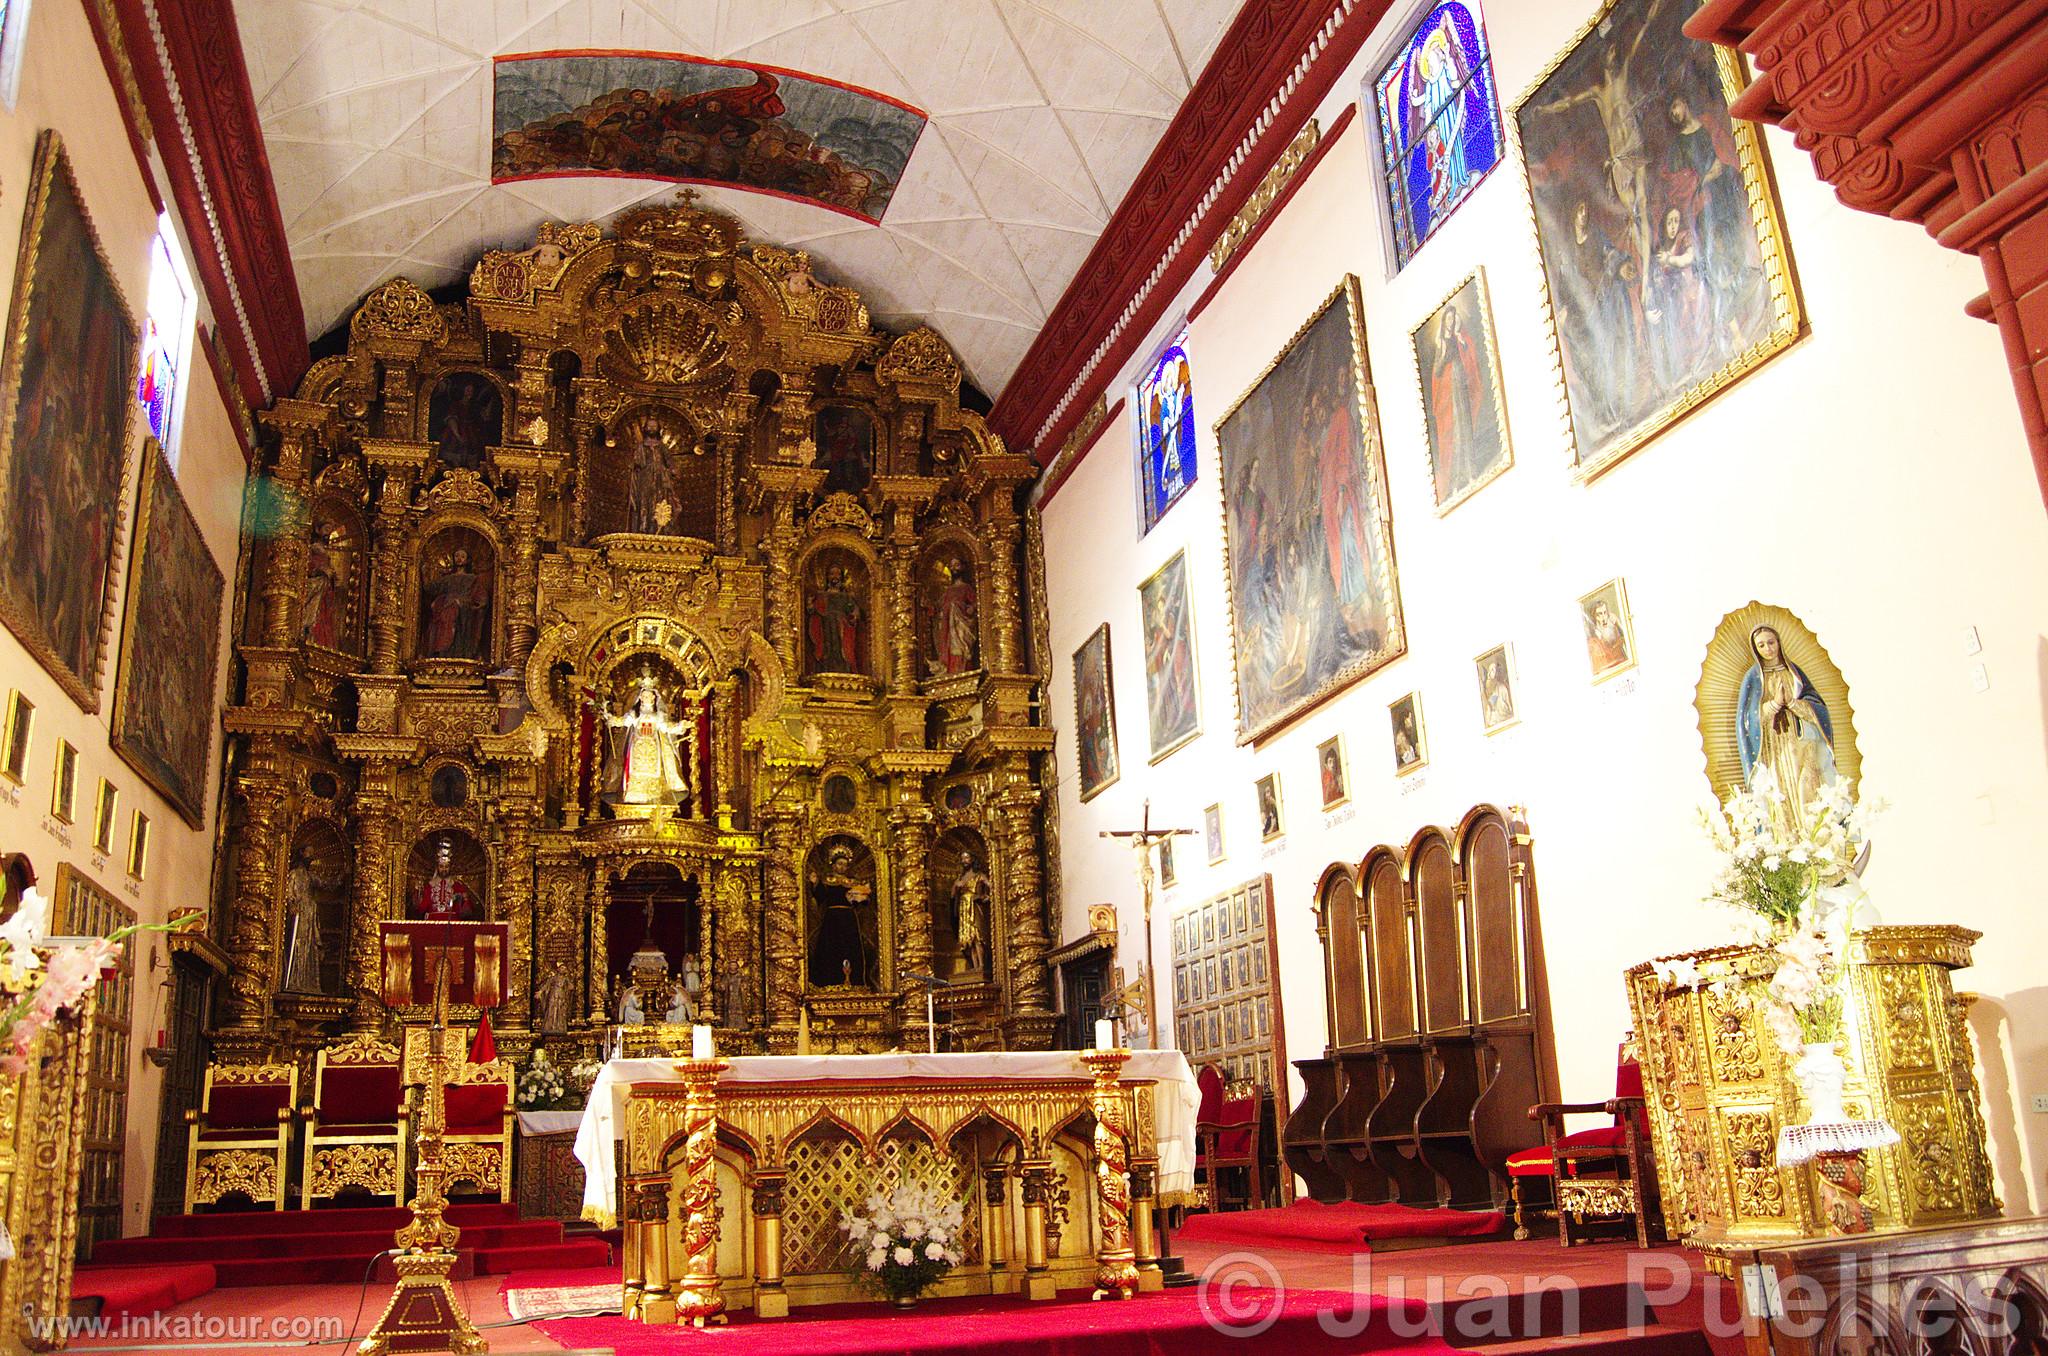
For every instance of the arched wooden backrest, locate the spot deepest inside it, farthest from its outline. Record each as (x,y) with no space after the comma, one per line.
(1499,929)
(1439,930)
(1343,961)
(1392,977)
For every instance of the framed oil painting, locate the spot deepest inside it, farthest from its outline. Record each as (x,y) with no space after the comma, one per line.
(1271,825)
(1171,703)
(1309,548)
(1439,122)
(163,697)
(1496,673)
(1094,714)
(67,388)
(1212,832)
(1330,771)
(1168,877)
(1610,634)
(1772,704)
(1464,413)
(1666,271)
(1405,716)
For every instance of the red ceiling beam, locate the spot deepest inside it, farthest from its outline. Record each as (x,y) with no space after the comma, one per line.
(1262,49)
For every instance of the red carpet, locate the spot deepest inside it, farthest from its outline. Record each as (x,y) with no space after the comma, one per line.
(1307,1226)
(140,1290)
(305,1247)
(1150,1325)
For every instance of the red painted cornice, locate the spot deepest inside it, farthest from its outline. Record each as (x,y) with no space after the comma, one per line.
(1250,66)
(188,64)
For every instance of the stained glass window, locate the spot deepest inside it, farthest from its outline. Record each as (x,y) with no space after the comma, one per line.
(167,336)
(1439,122)
(1166,431)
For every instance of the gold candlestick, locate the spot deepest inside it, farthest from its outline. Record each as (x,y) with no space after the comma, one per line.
(1116,1269)
(699,1300)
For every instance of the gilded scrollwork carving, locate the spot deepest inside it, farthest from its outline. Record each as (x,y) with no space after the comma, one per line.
(228,1171)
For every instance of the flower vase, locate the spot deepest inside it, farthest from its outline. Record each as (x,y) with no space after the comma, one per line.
(1821,1077)
(903,1300)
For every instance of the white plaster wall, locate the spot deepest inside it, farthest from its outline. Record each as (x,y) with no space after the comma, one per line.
(1873,479)
(63,85)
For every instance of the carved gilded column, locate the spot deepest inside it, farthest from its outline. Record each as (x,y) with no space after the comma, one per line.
(400,463)
(784,938)
(1002,582)
(911,837)
(254,910)
(515,905)
(379,758)
(299,425)
(902,619)
(1016,810)
(600,900)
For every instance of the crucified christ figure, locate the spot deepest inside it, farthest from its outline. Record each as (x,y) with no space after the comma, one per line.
(1618,104)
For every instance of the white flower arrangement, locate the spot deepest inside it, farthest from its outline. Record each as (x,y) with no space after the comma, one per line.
(910,1237)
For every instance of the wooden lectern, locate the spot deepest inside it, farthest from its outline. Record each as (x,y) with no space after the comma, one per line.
(438,963)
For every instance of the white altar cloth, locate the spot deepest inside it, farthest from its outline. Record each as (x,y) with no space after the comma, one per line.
(1174,1104)
(549,1122)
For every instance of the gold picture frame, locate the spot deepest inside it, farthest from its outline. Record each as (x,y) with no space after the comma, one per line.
(1329,758)
(14,745)
(1500,697)
(106,809)
(138,846)
(1384,622)
(1212,832)
(1723,673)
(1602,655)
(1662,405)
(1272,816)
(1489,353)
(1170,578)
(64,783)
(1410,740)
(1085,682)
(52,319)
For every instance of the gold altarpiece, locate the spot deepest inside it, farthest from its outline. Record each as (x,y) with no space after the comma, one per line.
(647,597)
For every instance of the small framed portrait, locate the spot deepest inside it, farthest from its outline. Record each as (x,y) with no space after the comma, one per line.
(1223,921)
(1180,984)
(1215,1027)
(1270,823)
(1179,938)
(1208,922)
(1496,672)
(1230,1025)
(64,784)
(1610,636)
(1405,716)
(1265,1018)
(1212,832)
(138,846)
(21,716)
(1259,964)
(1241,905)
(104,811)
(1224,984)
(1330,769)
(1258,894)
(1209,988)
(1166,873)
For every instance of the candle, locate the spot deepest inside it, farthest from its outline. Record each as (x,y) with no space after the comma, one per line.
(700,1042)
(1105,1034)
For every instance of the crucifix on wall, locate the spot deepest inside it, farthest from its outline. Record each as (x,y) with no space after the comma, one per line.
(1142,840)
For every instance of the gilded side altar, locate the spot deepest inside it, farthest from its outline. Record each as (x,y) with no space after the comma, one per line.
(649,600)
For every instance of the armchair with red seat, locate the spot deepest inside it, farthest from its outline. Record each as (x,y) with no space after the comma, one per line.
(356,1125)
(1600,1177)
(1234,1135)
(239,1140)
(476,1146)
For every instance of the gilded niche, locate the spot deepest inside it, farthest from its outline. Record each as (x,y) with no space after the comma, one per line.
(649,601)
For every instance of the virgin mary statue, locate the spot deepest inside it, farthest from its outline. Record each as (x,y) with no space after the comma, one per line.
(647,767)
(1783,725)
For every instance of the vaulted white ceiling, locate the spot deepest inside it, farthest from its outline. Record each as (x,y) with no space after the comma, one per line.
(377,116)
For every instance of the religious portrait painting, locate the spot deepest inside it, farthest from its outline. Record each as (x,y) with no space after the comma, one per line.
(327,618)
(1610,634)
(657,115)
(1170,700)
(1439,121)
(465,416)
(844,438)
(1774,713)
(1464,413)
(1330,772)
(836,613)
(1309,549)
(164,701)
(950,613)
(1496,672)
(1212,832)
(1664,258)
(1405,717)
(1168,877)
(1166,431)
(66,391)
(1267,790)
(1094,713)
(457,569)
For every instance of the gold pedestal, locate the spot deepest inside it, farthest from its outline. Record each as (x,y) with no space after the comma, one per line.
(1719,1090)
(699,1299)
(1116,1262)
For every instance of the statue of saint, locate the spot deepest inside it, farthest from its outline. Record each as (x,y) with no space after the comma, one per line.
(842,950)
(303,886)
(1783,725)
(970,893)
(681,1010)
(954,643)
(441,897)
(837,618)
(551,1002)
(457,608)
(646,761)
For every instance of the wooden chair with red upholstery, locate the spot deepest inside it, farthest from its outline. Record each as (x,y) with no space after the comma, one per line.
(356,1126)
(476,1147)
(239,1140)
(1603,1180)
(1232,1137)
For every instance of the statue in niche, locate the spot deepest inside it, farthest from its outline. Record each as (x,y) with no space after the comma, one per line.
(970,910)
(836,624)
(449,787)
(1783,726)
(645,750)
(305,886)
(845,439)
(325,619)
(650,480)
(952,626)
(455,602)
(843,946)
(552,999)
(443,897)
(465,415)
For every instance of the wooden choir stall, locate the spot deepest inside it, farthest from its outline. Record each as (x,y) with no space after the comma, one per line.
(1438,1023)
(736,1173)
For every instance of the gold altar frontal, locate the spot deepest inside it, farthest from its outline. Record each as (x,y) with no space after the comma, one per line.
(734,1190)
(1719,1090)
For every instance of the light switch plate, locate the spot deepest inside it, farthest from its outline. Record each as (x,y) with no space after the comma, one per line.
(2041,1102)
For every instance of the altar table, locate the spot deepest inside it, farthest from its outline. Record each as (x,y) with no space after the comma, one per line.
(742,1167)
